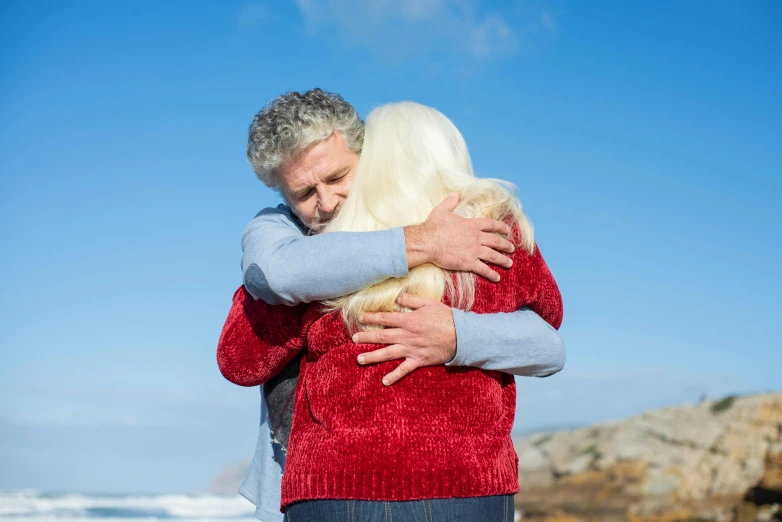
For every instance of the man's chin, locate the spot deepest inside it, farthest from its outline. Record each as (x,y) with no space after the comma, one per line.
(318,226)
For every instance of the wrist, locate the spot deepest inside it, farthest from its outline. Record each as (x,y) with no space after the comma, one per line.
(457,316)
(417,247)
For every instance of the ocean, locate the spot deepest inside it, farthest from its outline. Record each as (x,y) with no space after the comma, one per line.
(39,506)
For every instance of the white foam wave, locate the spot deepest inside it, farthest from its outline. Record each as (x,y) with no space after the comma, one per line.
(113,519)
(27,503)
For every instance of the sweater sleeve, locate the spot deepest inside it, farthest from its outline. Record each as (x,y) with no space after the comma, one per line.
(524,342)
(258,339)
(542,293)
(282,265)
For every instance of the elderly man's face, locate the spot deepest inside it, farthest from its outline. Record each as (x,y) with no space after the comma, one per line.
(317,182)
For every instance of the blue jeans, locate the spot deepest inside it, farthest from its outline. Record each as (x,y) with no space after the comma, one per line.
(497,508)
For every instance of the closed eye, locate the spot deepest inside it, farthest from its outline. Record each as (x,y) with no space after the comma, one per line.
(305,195)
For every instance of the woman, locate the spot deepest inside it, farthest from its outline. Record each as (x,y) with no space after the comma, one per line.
(438,442)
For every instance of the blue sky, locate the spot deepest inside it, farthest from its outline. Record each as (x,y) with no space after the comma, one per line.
(645,139)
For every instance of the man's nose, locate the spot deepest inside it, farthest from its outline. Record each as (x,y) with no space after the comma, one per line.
(328,203)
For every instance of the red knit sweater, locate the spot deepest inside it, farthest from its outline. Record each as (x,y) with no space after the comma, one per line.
(440,432)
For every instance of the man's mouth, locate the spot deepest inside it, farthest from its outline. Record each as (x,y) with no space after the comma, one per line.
(321,221)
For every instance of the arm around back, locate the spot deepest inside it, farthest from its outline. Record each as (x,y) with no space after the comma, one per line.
(533,284)
(281,264)
(520,343)
(538,290)
(258,339)
(525,342)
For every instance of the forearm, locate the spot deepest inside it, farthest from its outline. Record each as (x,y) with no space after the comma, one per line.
(258,340)
(247,363)
(417,245)
(244,366)
(283,266)
(519,343)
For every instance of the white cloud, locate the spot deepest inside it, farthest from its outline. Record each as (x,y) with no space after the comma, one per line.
(547,21)
(102,406)
(252,15)
(492,36)
(398,29)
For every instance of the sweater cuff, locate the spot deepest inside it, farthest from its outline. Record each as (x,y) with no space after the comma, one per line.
(399,249)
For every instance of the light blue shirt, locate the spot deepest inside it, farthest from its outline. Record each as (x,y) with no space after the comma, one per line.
(282,264)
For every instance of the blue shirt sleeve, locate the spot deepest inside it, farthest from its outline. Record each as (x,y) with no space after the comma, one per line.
(281,264)
(519,343)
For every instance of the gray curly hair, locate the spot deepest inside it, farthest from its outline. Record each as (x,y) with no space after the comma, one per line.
(294,122)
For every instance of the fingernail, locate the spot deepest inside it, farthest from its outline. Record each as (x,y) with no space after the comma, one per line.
(385,381)
(360,359)
(355,338)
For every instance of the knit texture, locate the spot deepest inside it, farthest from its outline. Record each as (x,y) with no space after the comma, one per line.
(440,432)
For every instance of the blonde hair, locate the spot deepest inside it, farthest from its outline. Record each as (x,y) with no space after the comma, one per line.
(413,157)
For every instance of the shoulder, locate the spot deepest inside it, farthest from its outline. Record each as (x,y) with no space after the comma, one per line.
(257,311)
(280,216)
(280,211)
(522,237)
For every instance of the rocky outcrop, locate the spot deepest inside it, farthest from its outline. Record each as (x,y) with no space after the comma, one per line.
(701,461)
(227,482)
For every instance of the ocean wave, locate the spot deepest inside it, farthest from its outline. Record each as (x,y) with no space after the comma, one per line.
(29,505)
(55,518)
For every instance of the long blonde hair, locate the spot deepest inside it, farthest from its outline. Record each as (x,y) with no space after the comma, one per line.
(412,158)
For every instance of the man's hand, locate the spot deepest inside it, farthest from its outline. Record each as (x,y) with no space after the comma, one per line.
(424,337)
(453,242)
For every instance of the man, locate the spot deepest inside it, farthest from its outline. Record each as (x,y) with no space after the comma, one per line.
(306,146)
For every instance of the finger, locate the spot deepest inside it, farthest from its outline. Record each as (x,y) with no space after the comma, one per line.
(449,203)
(497,243)
(483,269)
(383,318)
(494,257)
(389,353)
(386,336)
(492,225)
(415,301)
(407,366)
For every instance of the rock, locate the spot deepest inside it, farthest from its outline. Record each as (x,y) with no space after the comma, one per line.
(661,482)
(579,464)
(227,482)
(533,458)
(772,473)
(767,512)
(714,460)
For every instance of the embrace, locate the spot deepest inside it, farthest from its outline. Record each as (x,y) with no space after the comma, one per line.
(386,308)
